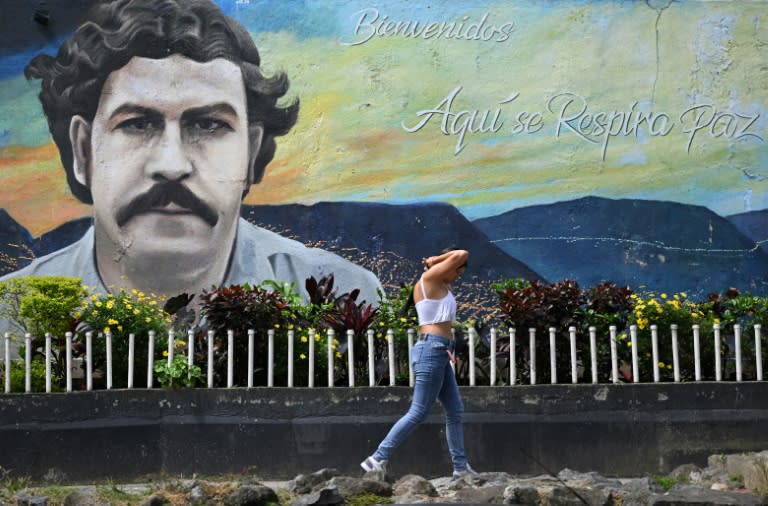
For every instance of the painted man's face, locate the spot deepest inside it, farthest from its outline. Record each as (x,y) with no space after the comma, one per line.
(167,156)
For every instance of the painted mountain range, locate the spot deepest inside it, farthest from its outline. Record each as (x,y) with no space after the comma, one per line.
(663,246)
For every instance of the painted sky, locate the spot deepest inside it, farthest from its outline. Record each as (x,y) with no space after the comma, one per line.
(518,119)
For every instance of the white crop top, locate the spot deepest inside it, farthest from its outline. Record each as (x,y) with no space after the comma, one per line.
(435,310)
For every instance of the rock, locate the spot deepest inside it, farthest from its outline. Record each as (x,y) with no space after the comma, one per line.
(752,468)
(687,473)
(481,495)
(698,496)
(198,497)
(323,497)
(251,495)
(25,499)
(83,497)
(570,496)
(525,495)
(304,483)
(412,484)
(351,487)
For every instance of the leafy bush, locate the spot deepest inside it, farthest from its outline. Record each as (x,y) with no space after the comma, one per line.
(541,306)
(37,376)
(396,314)
(240,308)
(178,373)
(121,314)
(663,310)
(41,304)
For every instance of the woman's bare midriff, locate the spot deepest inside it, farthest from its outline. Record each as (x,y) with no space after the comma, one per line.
(441,329)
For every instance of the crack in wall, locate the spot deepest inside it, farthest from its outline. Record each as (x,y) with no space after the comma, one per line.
(662,6)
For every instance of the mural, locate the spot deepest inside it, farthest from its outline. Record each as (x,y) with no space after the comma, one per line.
(590,140)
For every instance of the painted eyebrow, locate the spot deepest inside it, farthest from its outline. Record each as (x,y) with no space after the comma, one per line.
(221,108)
(134,109)
(218,108)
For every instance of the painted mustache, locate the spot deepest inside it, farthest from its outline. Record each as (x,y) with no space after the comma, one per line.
(160,196)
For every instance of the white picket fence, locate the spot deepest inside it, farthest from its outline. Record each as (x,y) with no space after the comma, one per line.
(532,364)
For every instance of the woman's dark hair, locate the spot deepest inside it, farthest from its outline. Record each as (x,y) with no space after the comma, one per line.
(113,32)
(411,302)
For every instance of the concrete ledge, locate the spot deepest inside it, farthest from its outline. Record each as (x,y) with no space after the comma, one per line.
(277,433)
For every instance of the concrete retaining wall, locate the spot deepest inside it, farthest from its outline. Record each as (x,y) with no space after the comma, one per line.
(277,433)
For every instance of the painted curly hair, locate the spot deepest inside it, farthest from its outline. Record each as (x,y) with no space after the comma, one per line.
(113,32)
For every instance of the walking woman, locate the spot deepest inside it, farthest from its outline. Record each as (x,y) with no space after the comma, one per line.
(431,358)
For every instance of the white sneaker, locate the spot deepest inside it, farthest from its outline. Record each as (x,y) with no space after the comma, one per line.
(372,464)
(467,472)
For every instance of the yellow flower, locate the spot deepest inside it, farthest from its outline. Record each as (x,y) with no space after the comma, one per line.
(277,325)
(147,319)
(317,337)
(165,353)
(661,365)
(304,339)
(110,303)
(94,297)
(78,314)
(136,312)
(683,294)
(98,303)
(663,295)
(112,321)
(106,330)
(290,326)
(120,328)
(338,354)
(403,320)
(303,357)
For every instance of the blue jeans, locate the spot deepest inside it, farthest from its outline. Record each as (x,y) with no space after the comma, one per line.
(435,379)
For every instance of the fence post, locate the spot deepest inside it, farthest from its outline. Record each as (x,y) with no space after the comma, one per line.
(512,356)
(635,366)
(593,352)
(718,364)
(7,347)
(572,339)
(493,356)
(532,348)
(331,337)
(697,352)
(351,356)
(391,356)
(211,336)
(758,353)
(190,352)
(108,342)
(131,357)
(251,334)
(230,358)
(68,354)
(655,352)
(48,362)
(171,346)
(552,356)
(311,365)
(89,361)
(472,340)
(290,357)
(614,355)
(150,357)
(371,363)
(270,358)
(737,343)
(411,377)
(675,353)
(28,362)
